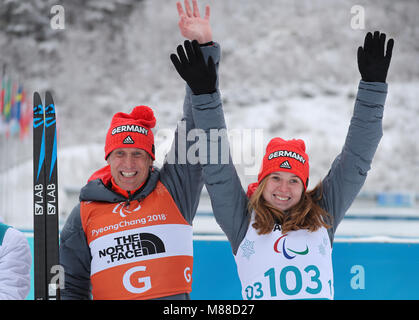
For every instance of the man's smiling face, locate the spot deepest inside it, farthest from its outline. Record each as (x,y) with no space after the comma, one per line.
(129,167)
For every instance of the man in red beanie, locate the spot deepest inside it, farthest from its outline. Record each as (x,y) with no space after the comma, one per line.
(129,148)
(130,237)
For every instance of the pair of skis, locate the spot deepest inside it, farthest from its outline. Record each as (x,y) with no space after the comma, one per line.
(45,192)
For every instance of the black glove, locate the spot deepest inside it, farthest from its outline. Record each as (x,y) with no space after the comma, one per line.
(372,63)
(200,77)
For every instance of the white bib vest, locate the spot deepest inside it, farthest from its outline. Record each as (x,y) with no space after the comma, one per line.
(295,265)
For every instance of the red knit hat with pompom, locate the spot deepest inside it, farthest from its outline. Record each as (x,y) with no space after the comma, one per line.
(132,130)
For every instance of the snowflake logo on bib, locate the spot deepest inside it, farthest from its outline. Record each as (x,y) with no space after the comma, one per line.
(247,248)
(322,246)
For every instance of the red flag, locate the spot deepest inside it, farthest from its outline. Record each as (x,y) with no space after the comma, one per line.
(3,84)
(26,117)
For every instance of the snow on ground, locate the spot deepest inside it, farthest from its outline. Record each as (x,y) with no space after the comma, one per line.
(77,163)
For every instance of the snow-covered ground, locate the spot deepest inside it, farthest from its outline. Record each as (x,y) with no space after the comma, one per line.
(366,218)
(288,69)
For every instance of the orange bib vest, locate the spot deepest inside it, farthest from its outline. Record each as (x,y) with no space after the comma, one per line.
(143,251)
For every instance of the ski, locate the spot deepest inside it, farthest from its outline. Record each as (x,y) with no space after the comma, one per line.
(46,232)
(40,280)
(52,233)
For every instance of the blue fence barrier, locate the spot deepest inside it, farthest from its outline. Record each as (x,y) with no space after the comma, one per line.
(391,199)
(362,270)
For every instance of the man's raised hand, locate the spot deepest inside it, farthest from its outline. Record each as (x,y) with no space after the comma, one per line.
(191,25)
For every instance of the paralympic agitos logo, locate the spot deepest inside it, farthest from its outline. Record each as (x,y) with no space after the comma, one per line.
(123,210)
(287,252)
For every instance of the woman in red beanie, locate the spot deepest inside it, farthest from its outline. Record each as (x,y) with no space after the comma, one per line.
(280,193)
(281,234)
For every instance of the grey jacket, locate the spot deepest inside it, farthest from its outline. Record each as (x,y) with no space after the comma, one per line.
(183,181)
(340,186)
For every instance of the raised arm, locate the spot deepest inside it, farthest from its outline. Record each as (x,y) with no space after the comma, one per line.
(349,170)
(183,179)
(228,199)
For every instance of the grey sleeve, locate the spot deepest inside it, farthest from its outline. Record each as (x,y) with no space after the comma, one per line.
(75,258)
(349,170)
(181,172)
(228,199)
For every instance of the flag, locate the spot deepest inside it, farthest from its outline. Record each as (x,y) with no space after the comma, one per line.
(3,85)
(8,101)
(26,117)
(16,109)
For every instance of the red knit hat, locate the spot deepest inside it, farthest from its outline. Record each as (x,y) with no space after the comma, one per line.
(132,130)
(284,155)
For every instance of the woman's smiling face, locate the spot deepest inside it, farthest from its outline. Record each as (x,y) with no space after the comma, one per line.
(283,190)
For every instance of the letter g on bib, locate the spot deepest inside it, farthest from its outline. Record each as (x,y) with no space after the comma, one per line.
(142,280)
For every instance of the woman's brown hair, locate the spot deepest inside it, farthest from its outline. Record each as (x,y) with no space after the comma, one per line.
(306,214)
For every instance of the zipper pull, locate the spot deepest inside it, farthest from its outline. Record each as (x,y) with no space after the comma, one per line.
(127,203)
